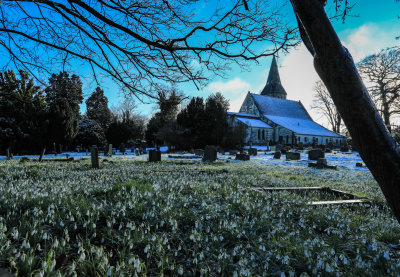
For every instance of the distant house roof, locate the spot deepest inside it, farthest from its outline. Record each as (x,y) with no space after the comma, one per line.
(251,122)
(243,114)
(302,126)
(280,107)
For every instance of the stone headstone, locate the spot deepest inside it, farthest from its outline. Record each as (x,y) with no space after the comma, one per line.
(279,147)
(273,148)
(315,154)
(277,155)
(154,156)
(199,152)
(292,156)
(210,154)
(252,151)
(110,150)
(42,154)
(242,157)
(94,157)
(9,157)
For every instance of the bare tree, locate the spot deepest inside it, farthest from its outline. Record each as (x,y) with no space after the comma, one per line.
(337,70)
(381,72)
(140,44)
(324,105)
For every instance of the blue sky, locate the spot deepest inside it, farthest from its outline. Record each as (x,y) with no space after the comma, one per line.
(375,28)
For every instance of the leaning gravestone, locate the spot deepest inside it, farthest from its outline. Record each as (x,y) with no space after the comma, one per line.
(210,154)
(292,156)
(277,155)
(252,151)
(154,156)
(94,157)
(242,157)
(315,154)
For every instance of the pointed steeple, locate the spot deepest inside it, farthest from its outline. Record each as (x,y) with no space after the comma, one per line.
(274,87)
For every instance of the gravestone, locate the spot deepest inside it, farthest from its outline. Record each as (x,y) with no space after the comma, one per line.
(242,157)
(9,157)
(210,154)
(154,156)
(110,151)
(273,148)
(42,154)
(199,152)
(87,152)
(252,151)
(315,154)
(94,157)
(122,149)
(277,155)
(292,156)
(279,147)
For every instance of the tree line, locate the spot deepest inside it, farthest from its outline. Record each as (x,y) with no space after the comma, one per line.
(33,118)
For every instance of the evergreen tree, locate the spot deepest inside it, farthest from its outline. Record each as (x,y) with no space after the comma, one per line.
(63,95)
(22,113)
(89,133)
(216,121)
(97,108)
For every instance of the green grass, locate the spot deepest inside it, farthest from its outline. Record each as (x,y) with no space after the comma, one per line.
(132,217)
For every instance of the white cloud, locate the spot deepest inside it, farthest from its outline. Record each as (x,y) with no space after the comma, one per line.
(234,90)
(368,39)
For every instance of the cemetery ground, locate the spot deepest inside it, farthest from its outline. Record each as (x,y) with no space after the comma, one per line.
(186,217)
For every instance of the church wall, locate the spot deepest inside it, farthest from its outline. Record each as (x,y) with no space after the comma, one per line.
(249,106)
(254,137)
(320,140)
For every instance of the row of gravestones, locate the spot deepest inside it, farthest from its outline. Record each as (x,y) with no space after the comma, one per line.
(314,154)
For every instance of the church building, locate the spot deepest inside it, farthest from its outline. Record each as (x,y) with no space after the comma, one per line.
(269,117)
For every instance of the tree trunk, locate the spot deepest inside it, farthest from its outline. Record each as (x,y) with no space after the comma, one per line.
(336,68)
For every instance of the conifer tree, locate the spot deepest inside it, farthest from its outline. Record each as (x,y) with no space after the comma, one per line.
(97,108)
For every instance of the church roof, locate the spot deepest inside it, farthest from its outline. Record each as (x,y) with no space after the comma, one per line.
(302,126)
(280,107)
(251,122)
(290,114)
(274,86)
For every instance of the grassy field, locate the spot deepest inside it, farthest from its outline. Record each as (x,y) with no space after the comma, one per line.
(186,218)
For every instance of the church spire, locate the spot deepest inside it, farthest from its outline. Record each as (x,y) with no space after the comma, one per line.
(274,87)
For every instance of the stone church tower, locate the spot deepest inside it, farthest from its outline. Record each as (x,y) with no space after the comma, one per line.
(274,87)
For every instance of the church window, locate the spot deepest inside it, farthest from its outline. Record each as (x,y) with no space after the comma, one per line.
(305,139)
(316,140)
(263,134)
(326,140)
(287,139)
(259,134)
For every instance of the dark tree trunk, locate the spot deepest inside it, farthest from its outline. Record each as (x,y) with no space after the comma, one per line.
(336,68)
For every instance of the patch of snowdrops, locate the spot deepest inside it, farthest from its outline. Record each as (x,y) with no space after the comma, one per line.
(133,218)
